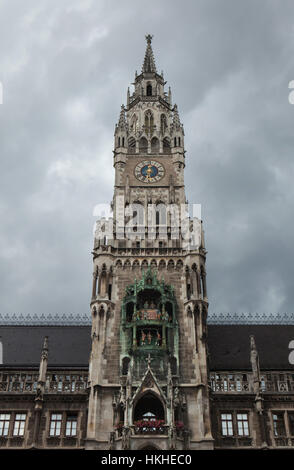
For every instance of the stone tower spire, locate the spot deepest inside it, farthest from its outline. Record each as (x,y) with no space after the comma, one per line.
(149,62)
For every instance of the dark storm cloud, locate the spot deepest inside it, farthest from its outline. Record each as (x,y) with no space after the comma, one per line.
(65,67)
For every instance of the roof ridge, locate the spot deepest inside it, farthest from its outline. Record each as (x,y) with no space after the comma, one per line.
(84,319)
(41,319)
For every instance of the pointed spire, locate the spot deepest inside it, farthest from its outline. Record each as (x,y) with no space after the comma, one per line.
(169,96)
(122,117)
(149,62)
(128,97)
(176,118)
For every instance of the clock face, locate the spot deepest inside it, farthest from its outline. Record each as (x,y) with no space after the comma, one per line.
(149,171)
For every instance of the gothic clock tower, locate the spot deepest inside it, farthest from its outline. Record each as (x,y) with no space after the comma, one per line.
(148,384)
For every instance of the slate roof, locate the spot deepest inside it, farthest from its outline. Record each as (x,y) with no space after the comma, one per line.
(69,345)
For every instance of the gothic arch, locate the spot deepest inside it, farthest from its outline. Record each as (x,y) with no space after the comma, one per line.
(153,263)
(102,283)
(179,265)
(171,265)
(162,264)
(127,264)
(149,89)
(125,365)
(149,401)
(143,144)
(136,264)
(144,263)
(161,213)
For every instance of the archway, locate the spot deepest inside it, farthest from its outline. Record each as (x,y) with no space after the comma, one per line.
(149,408)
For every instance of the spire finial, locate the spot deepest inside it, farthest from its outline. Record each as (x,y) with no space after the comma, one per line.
(149,38)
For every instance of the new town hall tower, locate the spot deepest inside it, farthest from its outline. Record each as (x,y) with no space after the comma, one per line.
(148,363)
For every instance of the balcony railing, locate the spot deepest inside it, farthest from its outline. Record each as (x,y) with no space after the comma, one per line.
(55,383)
(222,382)
(226,382)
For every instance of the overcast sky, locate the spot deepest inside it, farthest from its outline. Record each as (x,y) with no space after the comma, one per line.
(65,67)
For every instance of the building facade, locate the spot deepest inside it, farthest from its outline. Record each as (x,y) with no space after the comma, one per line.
(145,374)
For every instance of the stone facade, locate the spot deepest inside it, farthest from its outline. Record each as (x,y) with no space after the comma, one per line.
(151,381)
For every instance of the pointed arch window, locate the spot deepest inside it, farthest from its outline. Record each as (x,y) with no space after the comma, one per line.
(143,144)
(160,215)
(149,89)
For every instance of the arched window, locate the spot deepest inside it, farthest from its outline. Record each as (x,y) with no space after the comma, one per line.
(149,122)
(143,144)
(119,142)
(149,89)
(123,141)
(160,214)
(125,365)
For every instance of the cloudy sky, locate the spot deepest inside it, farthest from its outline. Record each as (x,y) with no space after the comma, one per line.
(65,67)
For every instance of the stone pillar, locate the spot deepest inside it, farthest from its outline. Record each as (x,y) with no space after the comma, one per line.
(40,391)
(259,409)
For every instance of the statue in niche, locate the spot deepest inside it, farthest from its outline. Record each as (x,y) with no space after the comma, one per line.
(143,336)
(149,337)
(137,315)
(152,304)
(158,339)
(165,316)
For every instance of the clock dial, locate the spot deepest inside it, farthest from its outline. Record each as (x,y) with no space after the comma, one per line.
(149,171)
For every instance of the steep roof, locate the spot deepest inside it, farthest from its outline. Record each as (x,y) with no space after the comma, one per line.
(69,345)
